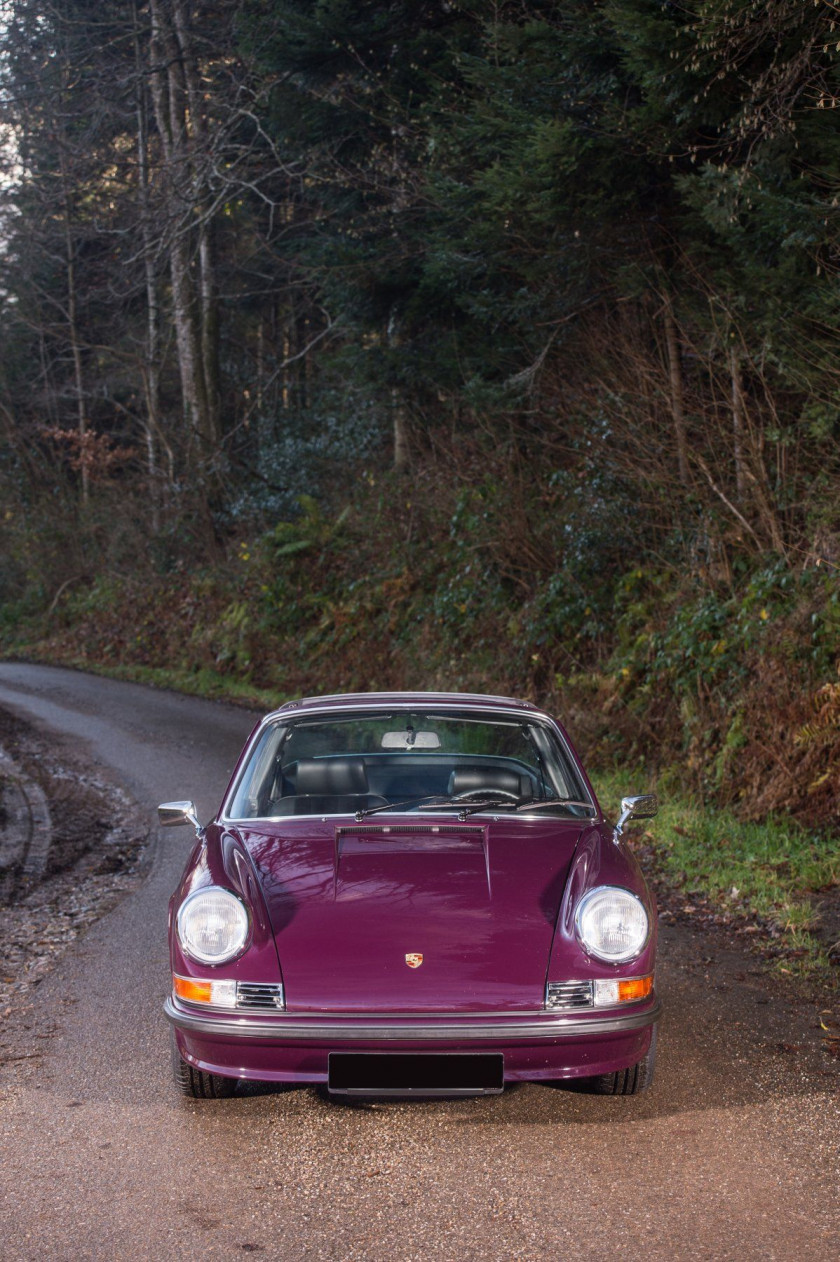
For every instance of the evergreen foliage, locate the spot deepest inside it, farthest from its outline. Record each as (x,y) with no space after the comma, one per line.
(570,265)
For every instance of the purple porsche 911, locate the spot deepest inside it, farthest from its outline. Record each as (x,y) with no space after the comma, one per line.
(411,894)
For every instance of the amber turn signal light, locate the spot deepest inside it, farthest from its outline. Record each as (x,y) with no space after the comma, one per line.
(635,988)
(613,990)
(191,990)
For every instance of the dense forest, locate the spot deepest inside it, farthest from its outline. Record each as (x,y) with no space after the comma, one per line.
(352,343)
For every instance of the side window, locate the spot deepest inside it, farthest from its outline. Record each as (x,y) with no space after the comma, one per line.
(256,784)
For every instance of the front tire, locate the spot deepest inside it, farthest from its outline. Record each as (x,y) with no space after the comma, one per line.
(632,1081)
(196,1084)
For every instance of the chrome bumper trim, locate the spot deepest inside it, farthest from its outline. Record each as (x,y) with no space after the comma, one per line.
(351,1028)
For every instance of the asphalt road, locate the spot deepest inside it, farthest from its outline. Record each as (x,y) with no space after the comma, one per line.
(733,1154)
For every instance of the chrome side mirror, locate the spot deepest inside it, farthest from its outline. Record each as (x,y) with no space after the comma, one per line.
(643,806)
(171,814)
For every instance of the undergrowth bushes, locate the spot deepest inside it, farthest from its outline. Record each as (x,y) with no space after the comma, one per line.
(488,583)
(747,669)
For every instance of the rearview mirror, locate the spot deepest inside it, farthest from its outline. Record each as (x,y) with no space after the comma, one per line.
(171,814)
(410,740)
(642,806)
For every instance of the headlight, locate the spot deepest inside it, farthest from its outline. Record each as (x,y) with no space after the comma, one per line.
(212,925)
(612,923)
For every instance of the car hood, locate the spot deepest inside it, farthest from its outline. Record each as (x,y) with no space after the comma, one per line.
(475,904)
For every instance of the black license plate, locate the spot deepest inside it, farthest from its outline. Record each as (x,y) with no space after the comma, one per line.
(408,1073)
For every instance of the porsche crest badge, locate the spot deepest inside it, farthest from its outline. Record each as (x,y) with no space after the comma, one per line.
(414,959)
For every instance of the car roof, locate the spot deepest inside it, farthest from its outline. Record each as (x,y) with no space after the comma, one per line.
(377,700)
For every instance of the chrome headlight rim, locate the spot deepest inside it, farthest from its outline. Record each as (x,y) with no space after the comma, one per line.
(600,892)
(239,944)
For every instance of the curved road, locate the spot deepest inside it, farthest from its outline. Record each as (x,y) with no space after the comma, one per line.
(733,1154)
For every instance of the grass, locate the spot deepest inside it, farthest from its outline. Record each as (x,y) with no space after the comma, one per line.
(198,683)
(195,683)
(765,872)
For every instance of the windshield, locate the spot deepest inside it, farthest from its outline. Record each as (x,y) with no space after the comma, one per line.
(404,759)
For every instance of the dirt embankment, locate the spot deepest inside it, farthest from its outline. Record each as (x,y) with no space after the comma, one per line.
(70,847)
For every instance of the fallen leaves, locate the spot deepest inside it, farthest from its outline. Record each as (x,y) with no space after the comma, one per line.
(831,1025)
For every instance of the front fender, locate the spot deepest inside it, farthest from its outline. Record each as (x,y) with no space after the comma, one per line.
(598,861)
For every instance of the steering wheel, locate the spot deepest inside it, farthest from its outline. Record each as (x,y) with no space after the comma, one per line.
(475,795)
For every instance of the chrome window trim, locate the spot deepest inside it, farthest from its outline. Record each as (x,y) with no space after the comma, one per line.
(432,1027)
(277,716)
(415,814)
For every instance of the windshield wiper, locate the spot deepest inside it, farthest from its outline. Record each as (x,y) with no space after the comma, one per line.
(531,804)
(431,798)
(442,802)
(489,803)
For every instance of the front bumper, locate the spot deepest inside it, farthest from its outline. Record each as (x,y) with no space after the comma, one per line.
(294,1047)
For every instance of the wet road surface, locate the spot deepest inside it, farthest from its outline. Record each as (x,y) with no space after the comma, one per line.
(735,1153)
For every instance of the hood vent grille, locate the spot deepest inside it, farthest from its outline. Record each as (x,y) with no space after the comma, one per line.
(394,829)
(568,995)
(260,996)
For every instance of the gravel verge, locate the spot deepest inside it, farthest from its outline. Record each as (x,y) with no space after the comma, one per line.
(91,852)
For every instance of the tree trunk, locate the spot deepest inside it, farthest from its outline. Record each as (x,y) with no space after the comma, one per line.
(677,393)
(209,331)
(72,324)
(399,420)
(171,95)
(751,479)
(198,152)
(737,421)
(151,375)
